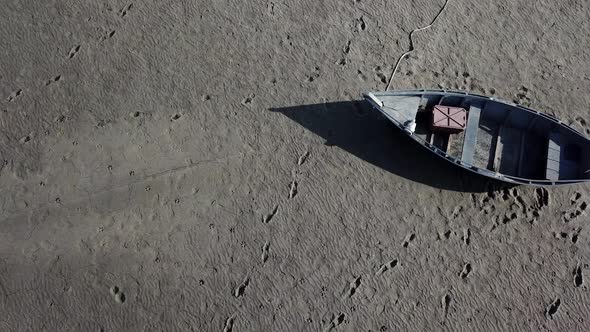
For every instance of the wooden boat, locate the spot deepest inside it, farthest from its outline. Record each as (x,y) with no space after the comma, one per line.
(494,138)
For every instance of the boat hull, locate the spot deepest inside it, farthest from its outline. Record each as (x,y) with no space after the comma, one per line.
(402,121)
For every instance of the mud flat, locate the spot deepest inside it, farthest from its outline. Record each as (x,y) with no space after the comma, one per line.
(208,166)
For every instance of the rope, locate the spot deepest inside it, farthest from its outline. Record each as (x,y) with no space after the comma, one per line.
(412,43)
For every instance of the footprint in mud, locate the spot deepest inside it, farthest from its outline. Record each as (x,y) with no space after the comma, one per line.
(521,97)
(292,189)
(529,212)
(352,287)
(521,203)
(361,76)
(515,192)
(506,194)
(518,207)
(576,235)
(239,291)
(457,212)
(268,217)
(314,75)
(53,80)
(466,271)
(302,158)
(542,198)
(345,51)
(335,322)
(124,10)
(509,216)
(578,276)
(578,208)
(26,139)
(552,308)
(248,100)
(446,304)
(469,83)
(466,236)
(106,36)
(409,238)
(582,122)
(487,205)
(117,294)
(270,9)
(73,51)
(379,76)
(346,48)
(446,235)
(583,206)
(575,197)
(386,267)
(229,324)
(14,95)
(360,24)
(265,249)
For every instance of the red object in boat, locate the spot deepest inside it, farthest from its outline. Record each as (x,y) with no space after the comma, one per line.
(448,119)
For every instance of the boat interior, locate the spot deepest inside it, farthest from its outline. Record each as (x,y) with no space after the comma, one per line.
(497,136)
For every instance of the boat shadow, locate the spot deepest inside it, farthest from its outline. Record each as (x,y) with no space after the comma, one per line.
(354,127)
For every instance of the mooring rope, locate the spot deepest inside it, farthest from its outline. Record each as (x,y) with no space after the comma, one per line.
(412,44)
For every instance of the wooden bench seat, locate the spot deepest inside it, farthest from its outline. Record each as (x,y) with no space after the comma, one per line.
(553,157)
(471,131)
